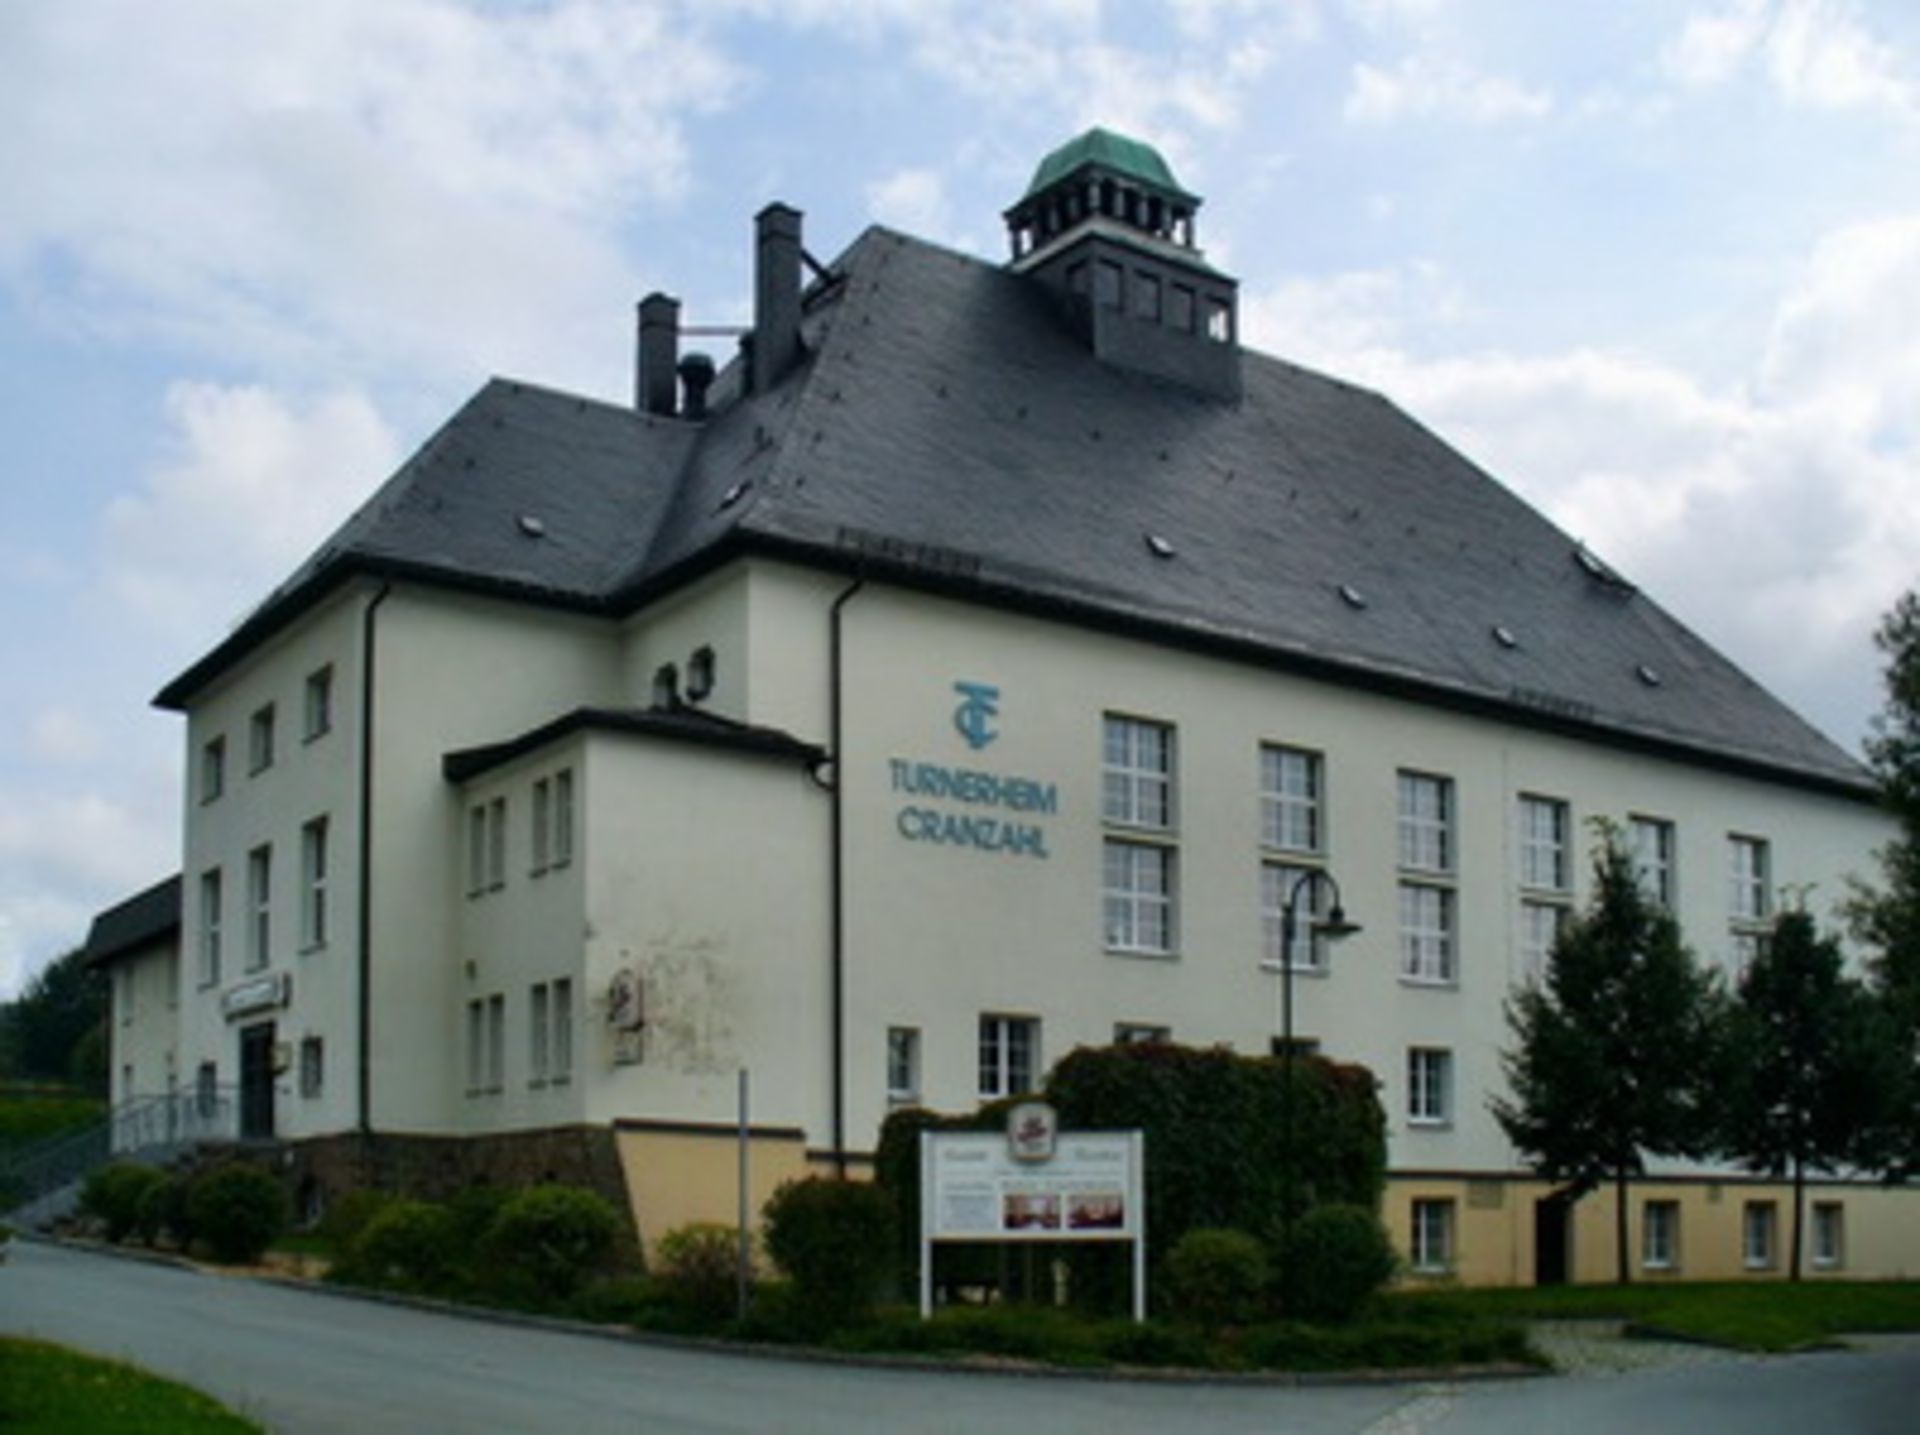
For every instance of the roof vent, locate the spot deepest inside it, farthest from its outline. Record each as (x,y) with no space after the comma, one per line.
(1158,546)
(735,494)
(1503,635)
(1650,676)
(532,526)
(1352,596)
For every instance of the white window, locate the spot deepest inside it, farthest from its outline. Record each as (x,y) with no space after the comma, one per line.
(1290,799)
(476,1046)
(1541,924)
(1426,822)
(260,739)
(213,768)
(1278,882)
(317,709)
(1137,897)
(476,850)
(1829,1235)
(903,1065)
(1660,1235)
(1136,1033)
(562,1053)
(1429,1085)
(1652,845)
(541,826)
(1747,880)
(1544,857)
(496,844)
(313,884)
(1756,1235)
(259,907)
(539,1036)
(312,1066)
(1426,933)
(210,927)
(1009,1054)
(1432,1228)
(562,817)
(1137,773)
(496,1042)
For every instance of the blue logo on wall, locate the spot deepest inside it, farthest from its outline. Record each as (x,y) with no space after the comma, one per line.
(974,717)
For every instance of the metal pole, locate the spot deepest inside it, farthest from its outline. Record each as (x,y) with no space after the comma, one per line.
(1289,929)
(744,1273)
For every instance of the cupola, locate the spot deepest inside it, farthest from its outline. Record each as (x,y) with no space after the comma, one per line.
(1107,228)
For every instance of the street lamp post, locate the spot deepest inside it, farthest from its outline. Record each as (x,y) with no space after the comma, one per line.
(1333,927)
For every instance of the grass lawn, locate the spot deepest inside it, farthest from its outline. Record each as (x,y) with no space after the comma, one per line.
(50,1390)
(30,1114)
(1752,1315)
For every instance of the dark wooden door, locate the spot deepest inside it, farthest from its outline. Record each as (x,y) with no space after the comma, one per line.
(1550,1238)
(256,1082)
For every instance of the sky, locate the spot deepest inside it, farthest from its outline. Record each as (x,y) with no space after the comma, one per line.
(1654,264)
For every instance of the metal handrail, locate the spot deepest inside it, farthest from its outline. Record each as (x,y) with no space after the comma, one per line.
(136,1125)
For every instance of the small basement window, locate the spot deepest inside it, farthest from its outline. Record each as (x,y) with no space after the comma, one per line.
(700,674)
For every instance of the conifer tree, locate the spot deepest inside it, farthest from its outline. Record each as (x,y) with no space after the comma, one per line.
(1606,1065)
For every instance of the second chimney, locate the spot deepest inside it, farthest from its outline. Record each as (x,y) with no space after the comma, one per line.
(653,382)
(776,294)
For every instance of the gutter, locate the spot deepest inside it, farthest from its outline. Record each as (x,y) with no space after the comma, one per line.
(837,878)
(364,1121)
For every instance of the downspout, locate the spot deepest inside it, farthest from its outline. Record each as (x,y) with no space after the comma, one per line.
(365,1122)
(837,954)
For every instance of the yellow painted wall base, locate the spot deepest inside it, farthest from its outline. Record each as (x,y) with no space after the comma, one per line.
(677,1175)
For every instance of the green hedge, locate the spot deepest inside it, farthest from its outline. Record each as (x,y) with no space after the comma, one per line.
(237,1211)
(834,1239)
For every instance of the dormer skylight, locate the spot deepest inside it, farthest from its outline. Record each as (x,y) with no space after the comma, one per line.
(1352,596)
(1158,546)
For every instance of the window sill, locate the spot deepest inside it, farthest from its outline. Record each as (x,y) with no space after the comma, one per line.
(1432,1273)
(1150,954)
(1662,1268)
(1143,830)
(560,1081)
(1306,856)
(1434,876)
(1451,984)
(309,739)
(312,947)
(1430,1123)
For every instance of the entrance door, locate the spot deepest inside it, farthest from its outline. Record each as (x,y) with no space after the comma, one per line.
(1550,1240)
(256,1082)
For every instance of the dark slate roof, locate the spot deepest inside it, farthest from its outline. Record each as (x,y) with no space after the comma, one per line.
(683,724)
(947,430)
(139,922)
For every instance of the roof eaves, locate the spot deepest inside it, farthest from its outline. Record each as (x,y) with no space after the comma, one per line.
(140,921)
(701,729)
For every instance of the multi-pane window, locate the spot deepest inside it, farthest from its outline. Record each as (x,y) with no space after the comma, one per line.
(1429,1085)
(1541,924)
(539,1043)
(1426,823)
(496,844)
(1136,1033)
(1137,773)
(1544,840)
(541,828)
(1009,1054)
(259,907)
(1278,883)
(1756,1235)
(1290,799)
(317,708)
(206,1090)
(903,1065)
(1426,933)
(260,739)
(1651,842)
(496,1042)
(213,768)
(1660,1235)
(1747,880)
(1137,897)
(210,927)
(476,1046)
(1432,1232)
(312,1065)
(313,883)
(562,1014)
(476,850)
(562,851)
(1829,1234)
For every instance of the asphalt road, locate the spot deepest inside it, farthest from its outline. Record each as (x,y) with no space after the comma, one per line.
(302,1361)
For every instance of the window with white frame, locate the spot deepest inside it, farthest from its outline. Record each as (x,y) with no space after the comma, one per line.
(313,884)
(1545,861)
(1660,1235)
(1429,1085)
(1137,773)
(562,851)
(496,844)
(210,927)
(1426,933)
(1140,1033)
(1009,1054)
(1748,880)
(476,850)
(903,1065)
(539,1035)
(496,1042)
(1541,924)
(1829,1235)
(312,1066)
(260,739)
(1651,843)
(1757,1235)
(540,825)
(1137,897)
(1426,823)
(1290,799)
(317,705)
(561,1055)
(1278,882)
(1432,1236)
(213,768)
(259,907)
(476,1046)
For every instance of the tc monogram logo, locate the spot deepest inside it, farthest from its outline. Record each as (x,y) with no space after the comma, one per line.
(974,717)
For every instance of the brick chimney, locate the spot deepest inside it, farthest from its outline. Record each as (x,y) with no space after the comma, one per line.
(776,294)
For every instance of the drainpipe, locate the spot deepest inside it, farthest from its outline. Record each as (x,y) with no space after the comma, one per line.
(365,1122)
(837,957)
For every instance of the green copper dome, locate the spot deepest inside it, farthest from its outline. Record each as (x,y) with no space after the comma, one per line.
(1134,159)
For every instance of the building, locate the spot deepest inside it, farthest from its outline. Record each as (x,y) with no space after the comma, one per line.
(963,671)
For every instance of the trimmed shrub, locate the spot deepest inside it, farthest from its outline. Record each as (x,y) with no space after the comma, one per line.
(554,1236)
(163,1211)
(1217,1277)
(698,1268)
(114,1194)
(347,1215)
(237,1211)
(834,1239)
(413,1244)
(1339,1259)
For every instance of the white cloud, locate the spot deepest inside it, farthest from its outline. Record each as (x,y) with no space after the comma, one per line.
(914,200)
(1816,53)
(65,737)
(1421,88)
